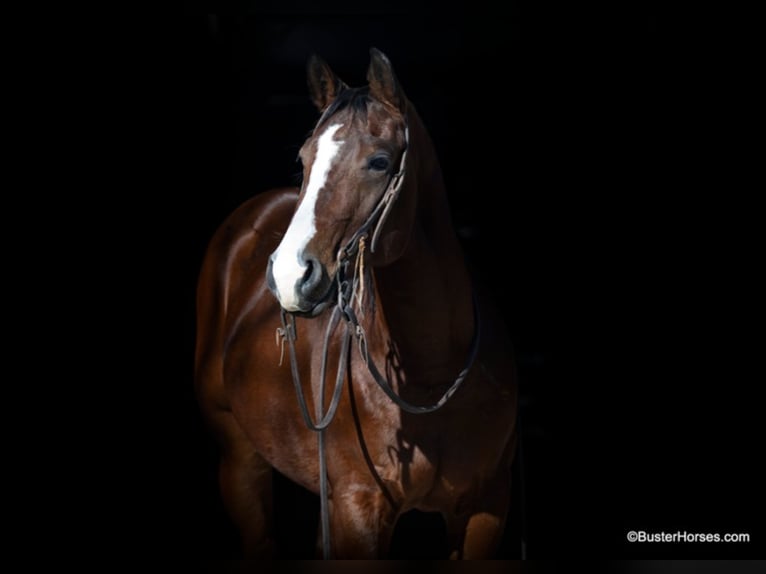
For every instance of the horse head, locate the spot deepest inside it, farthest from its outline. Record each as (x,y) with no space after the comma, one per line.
(353,170)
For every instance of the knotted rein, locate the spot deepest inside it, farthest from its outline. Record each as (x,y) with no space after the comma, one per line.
(349,289)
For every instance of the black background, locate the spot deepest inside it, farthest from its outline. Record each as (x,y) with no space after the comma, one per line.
(595,164)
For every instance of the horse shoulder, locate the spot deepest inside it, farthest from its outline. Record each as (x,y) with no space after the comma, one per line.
(232,283)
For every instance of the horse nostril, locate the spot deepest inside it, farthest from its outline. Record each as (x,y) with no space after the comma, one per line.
(312,277)
(270,282)
(309,271)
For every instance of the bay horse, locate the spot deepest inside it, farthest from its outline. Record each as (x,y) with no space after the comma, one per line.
(371,229)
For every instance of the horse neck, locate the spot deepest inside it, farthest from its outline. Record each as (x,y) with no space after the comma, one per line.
(425,311)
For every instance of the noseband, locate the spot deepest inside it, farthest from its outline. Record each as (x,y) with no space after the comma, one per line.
(348,284)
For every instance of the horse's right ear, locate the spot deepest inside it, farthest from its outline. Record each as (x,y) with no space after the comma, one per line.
(324,85)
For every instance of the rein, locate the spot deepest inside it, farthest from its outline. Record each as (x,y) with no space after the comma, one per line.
(343,310)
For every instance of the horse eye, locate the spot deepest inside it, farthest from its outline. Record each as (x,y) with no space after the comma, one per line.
(378,163)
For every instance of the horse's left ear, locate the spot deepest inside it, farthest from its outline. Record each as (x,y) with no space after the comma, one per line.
(383,83)
(324,85)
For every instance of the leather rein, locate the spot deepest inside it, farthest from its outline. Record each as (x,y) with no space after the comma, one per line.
(347,291)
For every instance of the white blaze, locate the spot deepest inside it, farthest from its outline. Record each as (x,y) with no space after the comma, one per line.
(288,266)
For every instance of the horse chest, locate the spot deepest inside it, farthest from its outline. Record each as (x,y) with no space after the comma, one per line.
(432,457)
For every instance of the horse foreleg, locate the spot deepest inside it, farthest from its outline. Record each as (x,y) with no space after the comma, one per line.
(246,488)
(475,534)
(361,523)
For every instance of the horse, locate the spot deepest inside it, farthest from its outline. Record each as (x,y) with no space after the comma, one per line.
(361,267)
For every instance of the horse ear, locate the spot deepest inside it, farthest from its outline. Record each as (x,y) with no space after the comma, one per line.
(324,85)
(383,83)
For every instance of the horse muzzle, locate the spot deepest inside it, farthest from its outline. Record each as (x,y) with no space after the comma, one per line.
(302,287)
